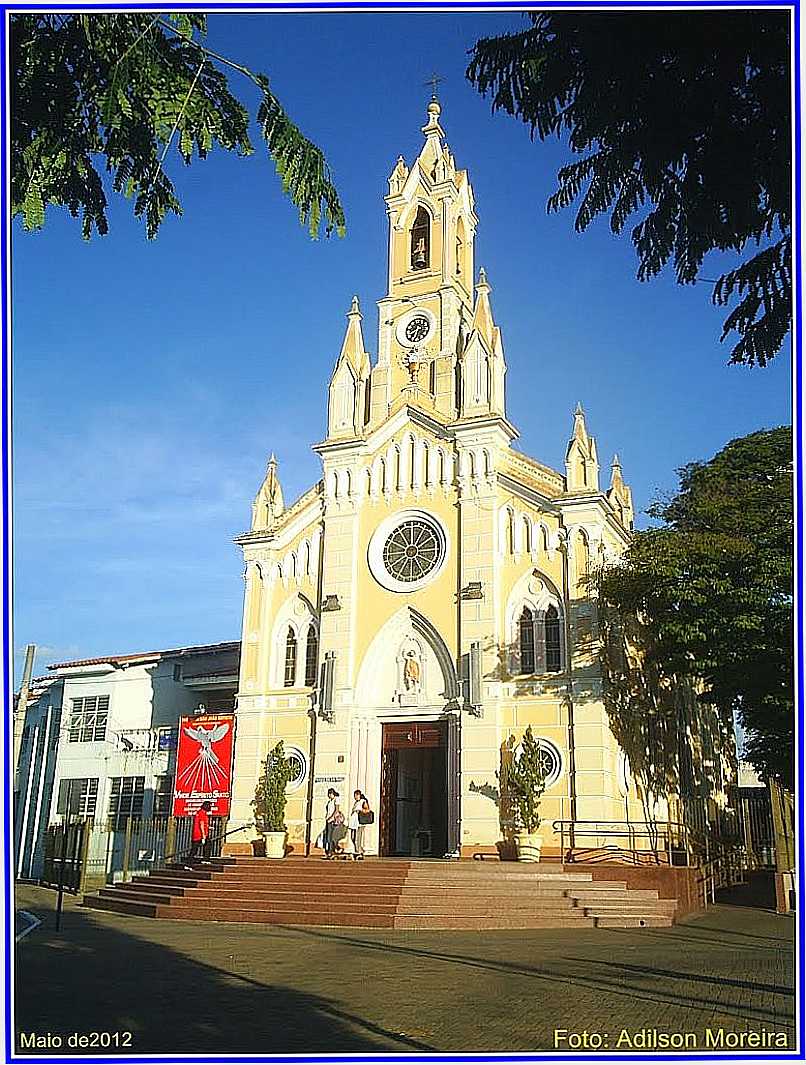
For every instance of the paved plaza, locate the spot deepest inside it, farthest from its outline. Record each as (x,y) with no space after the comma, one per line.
(190,987)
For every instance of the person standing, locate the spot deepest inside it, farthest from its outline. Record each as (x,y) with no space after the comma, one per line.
(360,806)
(200,832)
(333,818)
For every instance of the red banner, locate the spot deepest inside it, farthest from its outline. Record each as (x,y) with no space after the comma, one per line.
(204,764)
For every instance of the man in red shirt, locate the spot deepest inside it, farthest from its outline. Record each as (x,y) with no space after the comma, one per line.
(200,832)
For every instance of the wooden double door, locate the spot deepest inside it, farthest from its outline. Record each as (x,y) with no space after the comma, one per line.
(413,819)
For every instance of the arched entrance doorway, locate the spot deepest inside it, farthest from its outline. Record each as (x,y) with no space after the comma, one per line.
(406,738)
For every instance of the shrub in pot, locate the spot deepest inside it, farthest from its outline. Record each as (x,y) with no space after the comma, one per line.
(524,780)
(270,801)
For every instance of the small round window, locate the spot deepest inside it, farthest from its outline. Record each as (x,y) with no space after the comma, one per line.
(551,761)
(299,767)
(407,550)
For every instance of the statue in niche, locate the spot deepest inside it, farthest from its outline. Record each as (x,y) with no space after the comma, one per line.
(411,672)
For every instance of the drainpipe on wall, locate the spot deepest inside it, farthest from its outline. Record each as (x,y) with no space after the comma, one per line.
(572,772)
(313,711)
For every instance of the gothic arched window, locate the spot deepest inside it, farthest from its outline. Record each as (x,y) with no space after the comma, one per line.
(421,240)
(311,657)
(553,645)
(290,673)
(526,638)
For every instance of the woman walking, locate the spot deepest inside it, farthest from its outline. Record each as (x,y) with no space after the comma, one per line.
(333,820)
(357,823)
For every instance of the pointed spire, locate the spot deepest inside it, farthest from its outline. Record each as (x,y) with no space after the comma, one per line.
(352,349)
(581,460)
(268,504)
(482,312)
(397,179)
(580,428)
(616,479)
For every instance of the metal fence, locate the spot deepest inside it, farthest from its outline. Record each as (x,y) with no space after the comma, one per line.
(86,854)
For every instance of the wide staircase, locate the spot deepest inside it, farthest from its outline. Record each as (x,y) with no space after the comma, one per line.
(386,893)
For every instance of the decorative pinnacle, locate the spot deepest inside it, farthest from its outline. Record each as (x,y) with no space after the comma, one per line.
(482,278)
(272,459)
(579,410)
(354,307)
(616,461)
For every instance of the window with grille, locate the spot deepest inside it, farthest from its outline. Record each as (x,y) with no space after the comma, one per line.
(311,657)
(526,629)
(78,797)
(163,795)
(290,674)
(553,646)
(88,719)
(126,799)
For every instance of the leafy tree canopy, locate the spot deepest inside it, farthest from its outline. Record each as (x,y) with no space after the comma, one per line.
(712,587)
(113,92)
(682,123)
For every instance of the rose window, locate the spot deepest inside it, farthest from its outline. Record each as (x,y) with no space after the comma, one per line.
(412,551)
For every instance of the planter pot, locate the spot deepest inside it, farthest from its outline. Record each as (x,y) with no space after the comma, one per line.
(275,844)
(259,847)
(527,845)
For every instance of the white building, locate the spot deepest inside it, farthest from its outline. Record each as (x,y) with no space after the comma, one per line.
(99,741)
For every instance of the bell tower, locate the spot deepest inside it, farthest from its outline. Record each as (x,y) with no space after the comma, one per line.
(428,309)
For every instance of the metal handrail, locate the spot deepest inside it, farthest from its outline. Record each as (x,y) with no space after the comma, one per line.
(631,830)
(216,839)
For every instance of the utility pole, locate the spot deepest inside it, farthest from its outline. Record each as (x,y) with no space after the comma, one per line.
(20,708)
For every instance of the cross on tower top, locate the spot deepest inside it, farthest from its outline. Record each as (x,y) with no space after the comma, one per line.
(433,81)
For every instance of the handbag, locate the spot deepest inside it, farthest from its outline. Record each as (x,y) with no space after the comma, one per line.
(366,817)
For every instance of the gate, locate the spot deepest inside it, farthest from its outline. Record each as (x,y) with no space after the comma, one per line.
(66,855)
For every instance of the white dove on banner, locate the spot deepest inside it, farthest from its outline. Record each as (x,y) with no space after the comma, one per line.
(204,772)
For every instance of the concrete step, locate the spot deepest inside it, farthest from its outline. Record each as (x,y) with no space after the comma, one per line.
(357,892)
(569,920)
(481,907)
(151,897)
(607,893)
(632,921)
(369,919)
(123,905)
(657,906)
(146,885)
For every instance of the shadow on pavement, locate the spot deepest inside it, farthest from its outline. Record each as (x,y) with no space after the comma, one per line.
(94,978)
(611,981)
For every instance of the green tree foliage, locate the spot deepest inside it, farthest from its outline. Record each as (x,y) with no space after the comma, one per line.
(114,92)
(682,123)
(710,592)
(270,798)
(523,781)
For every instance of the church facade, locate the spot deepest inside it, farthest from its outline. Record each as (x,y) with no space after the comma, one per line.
(427,600)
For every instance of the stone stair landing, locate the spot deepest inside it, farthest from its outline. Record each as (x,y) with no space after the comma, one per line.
(385,893)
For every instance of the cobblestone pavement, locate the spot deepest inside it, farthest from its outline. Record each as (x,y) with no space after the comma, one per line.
(181,986)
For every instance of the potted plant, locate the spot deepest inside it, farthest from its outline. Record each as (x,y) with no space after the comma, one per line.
(524,779)
(270,801)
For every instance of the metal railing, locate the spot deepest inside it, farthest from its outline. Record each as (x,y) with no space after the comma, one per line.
(667,842)
(722,861)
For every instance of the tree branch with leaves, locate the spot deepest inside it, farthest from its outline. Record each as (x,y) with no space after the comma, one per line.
(95,92)
(682,122)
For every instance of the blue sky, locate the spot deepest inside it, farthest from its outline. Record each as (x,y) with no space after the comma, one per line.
(152,379)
